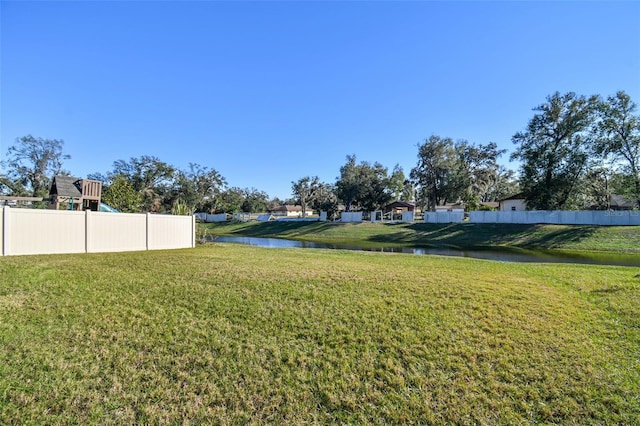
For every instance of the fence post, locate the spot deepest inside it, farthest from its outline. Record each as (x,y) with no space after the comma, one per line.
(3,229)
(6,225)
(87,227)
(147,231)
(193,231)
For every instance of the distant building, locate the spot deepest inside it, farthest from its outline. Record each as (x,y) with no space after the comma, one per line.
(399,207)
(514,203)
(618,202)
(290,211)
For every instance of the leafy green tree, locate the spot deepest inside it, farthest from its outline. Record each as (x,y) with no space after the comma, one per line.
(365,185)
(554,149)
(401,188)
(449,172)
(31,163)
(304,191)
(231,200)
(326,200)
(478,171)
(119,193)
(348,184)
(436,176)
(619,139)
(255,201)
(197,188)
(504,185)
(152,178)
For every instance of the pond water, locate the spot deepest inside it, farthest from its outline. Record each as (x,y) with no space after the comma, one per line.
(501,255)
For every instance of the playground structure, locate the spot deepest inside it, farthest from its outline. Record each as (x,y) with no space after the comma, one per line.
(78,194)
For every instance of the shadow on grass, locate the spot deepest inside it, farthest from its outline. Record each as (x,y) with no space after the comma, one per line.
(282,229)
(486,235)
(460,235)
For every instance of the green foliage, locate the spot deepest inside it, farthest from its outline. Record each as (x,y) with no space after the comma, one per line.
(120,194)
(619,140)
(181,208)
(449,172)
(555,150)
(363,185)
(255,201)
(305,190)
(31,164)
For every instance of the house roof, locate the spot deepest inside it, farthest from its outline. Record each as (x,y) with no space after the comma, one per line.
(518,196)
(620,201)
(287,208)
(400,204)
(66,186)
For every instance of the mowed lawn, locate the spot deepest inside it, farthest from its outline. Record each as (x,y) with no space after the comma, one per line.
(230,334)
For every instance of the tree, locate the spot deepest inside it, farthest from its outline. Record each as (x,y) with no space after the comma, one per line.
(231,200)
(305,191)
(554,149)
(504,185)
(197,188)
(119,193)
(364,184)
(31,164)
(478,171)
(151,178)
(348,185)
(435,175)
(255,201)
(326,200)
(619,139)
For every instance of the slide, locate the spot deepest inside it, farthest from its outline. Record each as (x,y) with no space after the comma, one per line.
(106,208)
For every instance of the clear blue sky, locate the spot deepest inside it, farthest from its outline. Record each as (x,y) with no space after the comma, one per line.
(267,92)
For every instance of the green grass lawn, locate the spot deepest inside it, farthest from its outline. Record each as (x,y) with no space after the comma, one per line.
(231,334)
(559,237)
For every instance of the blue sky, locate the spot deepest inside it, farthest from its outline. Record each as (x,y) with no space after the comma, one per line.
(268,92)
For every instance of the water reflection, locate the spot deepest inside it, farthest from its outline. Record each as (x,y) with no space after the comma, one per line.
(501,255)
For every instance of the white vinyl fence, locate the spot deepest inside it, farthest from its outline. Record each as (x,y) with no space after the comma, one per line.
(443,217)
(559,217)
(351,217)
(25,231)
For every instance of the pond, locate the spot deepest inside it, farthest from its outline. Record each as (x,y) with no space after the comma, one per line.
(501,255)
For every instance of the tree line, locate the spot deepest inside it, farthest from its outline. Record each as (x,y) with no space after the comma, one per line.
(574,153)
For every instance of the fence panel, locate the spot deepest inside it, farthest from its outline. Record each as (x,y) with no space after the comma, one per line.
(2,231)
(167,232)
(407,216)
(116,232)
(28,231)
(443,217)
(351,217)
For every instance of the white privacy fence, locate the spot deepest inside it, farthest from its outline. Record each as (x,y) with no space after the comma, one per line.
(25,231)
(443,217)
(351,217)
(559,217)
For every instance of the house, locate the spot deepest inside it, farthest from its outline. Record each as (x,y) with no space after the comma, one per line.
(619,202)
(399,207)
(514,203)
(78,194)
(290,211)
